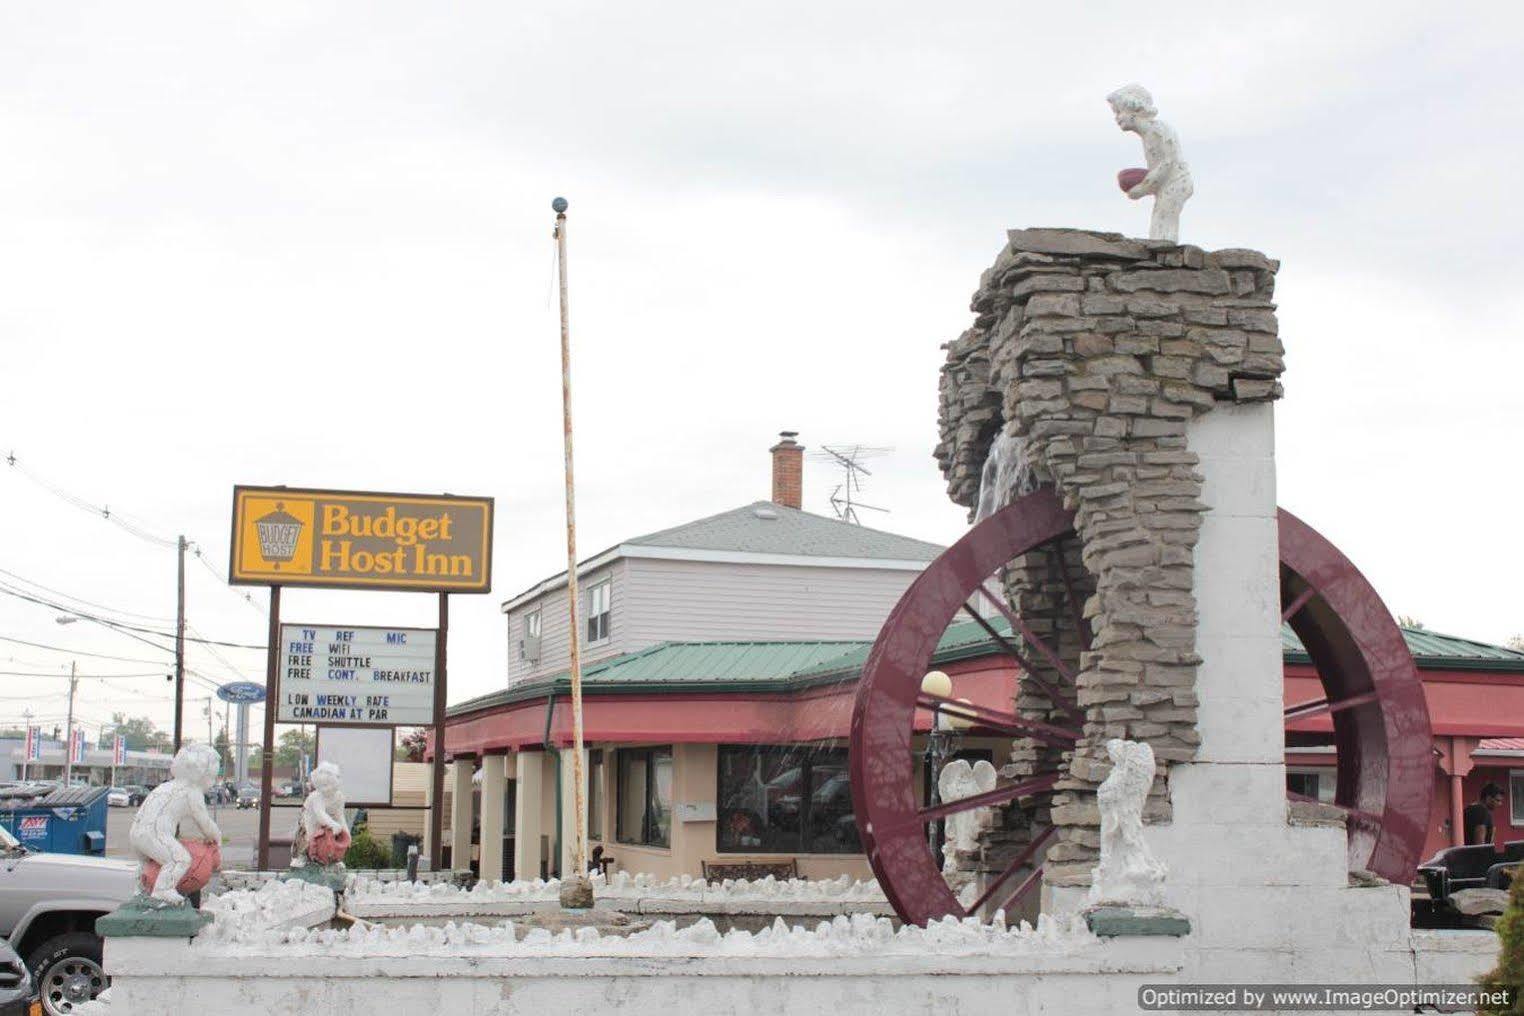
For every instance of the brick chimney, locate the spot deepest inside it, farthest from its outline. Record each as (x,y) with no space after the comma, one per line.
(788,470)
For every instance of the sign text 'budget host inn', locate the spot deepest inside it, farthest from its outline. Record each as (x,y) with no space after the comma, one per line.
(284,536)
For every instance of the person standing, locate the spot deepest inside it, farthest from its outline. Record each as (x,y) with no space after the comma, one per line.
(1478,816)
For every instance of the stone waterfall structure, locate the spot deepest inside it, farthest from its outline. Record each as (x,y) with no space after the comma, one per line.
(1093,353)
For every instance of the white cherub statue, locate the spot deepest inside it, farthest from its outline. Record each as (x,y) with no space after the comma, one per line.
(1168,178)
(958,780)
(1129,874)
(156,826)
(322,834)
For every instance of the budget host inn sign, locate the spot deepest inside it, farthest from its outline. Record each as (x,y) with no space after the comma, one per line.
(287,536)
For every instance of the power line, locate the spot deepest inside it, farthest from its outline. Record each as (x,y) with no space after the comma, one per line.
(90,603)
(76,652)
(120,519)
(120,625)
(93,677)
(136,527)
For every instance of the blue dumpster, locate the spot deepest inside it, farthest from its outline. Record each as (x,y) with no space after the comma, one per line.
(70,821)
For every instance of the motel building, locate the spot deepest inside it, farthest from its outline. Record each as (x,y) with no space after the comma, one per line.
(720,663)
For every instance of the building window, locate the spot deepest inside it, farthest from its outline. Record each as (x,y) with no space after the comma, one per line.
(1314,782)
(529,641)
(595,795)
(1516,797)
(785,800)
(644,796)
(599,611)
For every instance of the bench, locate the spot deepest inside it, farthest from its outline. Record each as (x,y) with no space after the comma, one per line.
(1476,867)
(750,870)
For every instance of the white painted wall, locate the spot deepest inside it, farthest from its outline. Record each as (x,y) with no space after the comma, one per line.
(657,600)
(555,651)
(165,976)
(700,600)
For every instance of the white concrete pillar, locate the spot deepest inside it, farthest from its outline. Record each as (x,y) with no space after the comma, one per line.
(569,807)
(528,828)
(494,788)
(426,850)
(462,814)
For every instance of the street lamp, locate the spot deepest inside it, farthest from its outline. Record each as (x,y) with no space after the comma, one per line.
(938,744)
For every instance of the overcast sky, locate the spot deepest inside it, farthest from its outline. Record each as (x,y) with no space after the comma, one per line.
(310,244)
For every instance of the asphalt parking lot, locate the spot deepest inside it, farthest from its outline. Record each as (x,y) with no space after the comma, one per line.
(239,828)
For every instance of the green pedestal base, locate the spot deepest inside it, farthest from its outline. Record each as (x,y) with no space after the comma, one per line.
(329,876)
(1111,922)
(144,917)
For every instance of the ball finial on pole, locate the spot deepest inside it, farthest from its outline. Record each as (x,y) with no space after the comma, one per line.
(558,206)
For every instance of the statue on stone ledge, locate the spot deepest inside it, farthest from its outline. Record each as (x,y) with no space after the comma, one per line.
(1167,177)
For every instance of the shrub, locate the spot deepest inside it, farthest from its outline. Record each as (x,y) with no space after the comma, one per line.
(1509,973)
(365,852)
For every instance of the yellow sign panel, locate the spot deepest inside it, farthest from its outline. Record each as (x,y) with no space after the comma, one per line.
(289,537)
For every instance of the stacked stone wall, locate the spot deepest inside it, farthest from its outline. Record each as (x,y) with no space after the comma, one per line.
(1094,351)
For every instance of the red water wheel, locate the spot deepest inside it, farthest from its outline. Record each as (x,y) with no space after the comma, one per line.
(1371,693)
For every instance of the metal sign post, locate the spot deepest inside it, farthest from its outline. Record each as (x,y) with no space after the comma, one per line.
(267,755)
(436,810)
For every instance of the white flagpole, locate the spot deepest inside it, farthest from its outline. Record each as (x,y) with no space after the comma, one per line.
(579,839)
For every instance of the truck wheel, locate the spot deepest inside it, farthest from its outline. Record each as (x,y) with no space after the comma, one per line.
(68,973)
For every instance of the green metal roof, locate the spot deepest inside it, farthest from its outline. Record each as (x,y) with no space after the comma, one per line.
(783,666)
(1431,651)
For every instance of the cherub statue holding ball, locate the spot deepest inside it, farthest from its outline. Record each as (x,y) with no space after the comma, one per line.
(322,834)
(156,826)
(1167,178)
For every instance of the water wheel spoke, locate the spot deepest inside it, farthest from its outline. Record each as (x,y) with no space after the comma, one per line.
(1297,604)
(1069,708)
(1317,707)
(1022,858)
(1026,886)
(1006,723)
(1076,608)
(1032,639)
(990,798)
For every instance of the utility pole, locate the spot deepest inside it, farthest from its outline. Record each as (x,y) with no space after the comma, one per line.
(69,729)
(180,643)
(579,840)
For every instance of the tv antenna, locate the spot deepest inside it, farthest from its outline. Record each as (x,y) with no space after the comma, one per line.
(849,458)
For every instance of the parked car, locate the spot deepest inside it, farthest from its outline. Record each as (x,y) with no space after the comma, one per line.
(15,983)
(135,793)
(48,907)
(119,798)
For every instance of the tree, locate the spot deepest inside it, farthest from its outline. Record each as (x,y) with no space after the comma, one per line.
(1406,621)
(292,745)
(141,734)
(412,745)
(1516,642)
(1509,973)
(224,748)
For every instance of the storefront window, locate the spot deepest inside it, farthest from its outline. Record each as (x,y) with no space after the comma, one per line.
(644,799)
(784,799)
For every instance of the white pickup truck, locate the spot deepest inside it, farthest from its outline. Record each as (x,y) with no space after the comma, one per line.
(48,907)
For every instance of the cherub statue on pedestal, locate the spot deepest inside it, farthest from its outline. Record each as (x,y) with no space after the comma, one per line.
(1129,874)
(1167,178)
(958,780)
(322,833)
(164,858)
